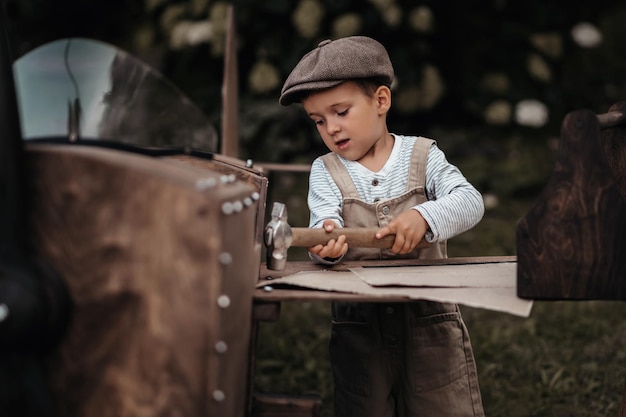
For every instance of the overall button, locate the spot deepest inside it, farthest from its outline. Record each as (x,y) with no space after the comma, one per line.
(374,182)
(386,210)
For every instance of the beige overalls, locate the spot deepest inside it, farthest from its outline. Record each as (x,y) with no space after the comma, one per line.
(398,359)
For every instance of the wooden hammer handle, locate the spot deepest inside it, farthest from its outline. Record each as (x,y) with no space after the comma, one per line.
(355,237)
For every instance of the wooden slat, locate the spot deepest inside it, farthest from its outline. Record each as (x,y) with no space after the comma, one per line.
(287,294)
(230,90)
(297,266)
(271,167)
(274,405)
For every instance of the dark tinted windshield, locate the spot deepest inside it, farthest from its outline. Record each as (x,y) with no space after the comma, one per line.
(100,92)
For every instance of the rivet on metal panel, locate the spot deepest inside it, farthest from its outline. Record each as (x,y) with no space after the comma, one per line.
(4,312)
(247,201)
(225,258)
(223,301)
(227,208)
(219,395)
(255,196)
(221,347)
(206,183)
(237,206)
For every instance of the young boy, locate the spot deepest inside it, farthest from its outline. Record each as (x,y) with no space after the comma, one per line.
(388,359)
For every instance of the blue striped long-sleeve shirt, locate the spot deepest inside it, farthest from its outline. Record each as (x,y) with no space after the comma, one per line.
(453,205)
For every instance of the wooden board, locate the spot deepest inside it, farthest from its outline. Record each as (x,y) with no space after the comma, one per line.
(572,244)
(272,405)
(161,279)
(268,277)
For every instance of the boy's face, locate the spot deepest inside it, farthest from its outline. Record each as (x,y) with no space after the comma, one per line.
(350,122)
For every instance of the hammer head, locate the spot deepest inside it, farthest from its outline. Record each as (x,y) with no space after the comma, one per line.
(278,237)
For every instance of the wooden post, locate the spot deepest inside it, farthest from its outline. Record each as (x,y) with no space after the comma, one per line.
(230,91)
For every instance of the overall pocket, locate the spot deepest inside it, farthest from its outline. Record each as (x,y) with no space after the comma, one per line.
(436,355)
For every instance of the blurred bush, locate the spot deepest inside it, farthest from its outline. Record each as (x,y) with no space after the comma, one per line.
(491,81)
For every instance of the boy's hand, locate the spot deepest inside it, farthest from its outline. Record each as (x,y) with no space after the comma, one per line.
(333,248)
(409,228)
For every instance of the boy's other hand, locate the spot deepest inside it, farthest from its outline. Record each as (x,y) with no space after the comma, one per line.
(333,248)
(409,228)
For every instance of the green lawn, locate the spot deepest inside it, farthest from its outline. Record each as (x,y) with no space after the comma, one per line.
(566,359)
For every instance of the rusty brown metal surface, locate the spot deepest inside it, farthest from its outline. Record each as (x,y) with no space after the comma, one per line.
(161,274)
(572,244)
(227,166)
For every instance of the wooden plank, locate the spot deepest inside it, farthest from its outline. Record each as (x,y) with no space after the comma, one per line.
(230,89)
(275,405)
(571,244)
(157,278)
(297,266)
(266,311)
(274,167)
(270,293)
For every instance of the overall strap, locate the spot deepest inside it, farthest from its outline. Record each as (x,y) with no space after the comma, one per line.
(419,158)
(340,175)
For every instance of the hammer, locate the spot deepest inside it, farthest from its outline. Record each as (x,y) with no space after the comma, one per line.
(279,237)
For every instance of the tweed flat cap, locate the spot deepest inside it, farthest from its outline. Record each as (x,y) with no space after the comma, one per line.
(333,62)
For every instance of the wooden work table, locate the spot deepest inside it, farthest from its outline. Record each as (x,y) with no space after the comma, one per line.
(267,292)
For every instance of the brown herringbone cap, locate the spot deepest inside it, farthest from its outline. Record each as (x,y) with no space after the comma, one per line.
(333,62)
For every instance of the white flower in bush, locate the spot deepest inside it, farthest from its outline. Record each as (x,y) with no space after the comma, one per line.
(392,15)
(307,17)
(550,44)
(346,25)
(421,19)
(423,96)
(532,113)
(538,68)
(586,35)
(498,112)
(491,201)
(497,82)
(264,77)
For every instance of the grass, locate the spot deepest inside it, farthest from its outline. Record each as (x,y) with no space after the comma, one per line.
(566,359)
